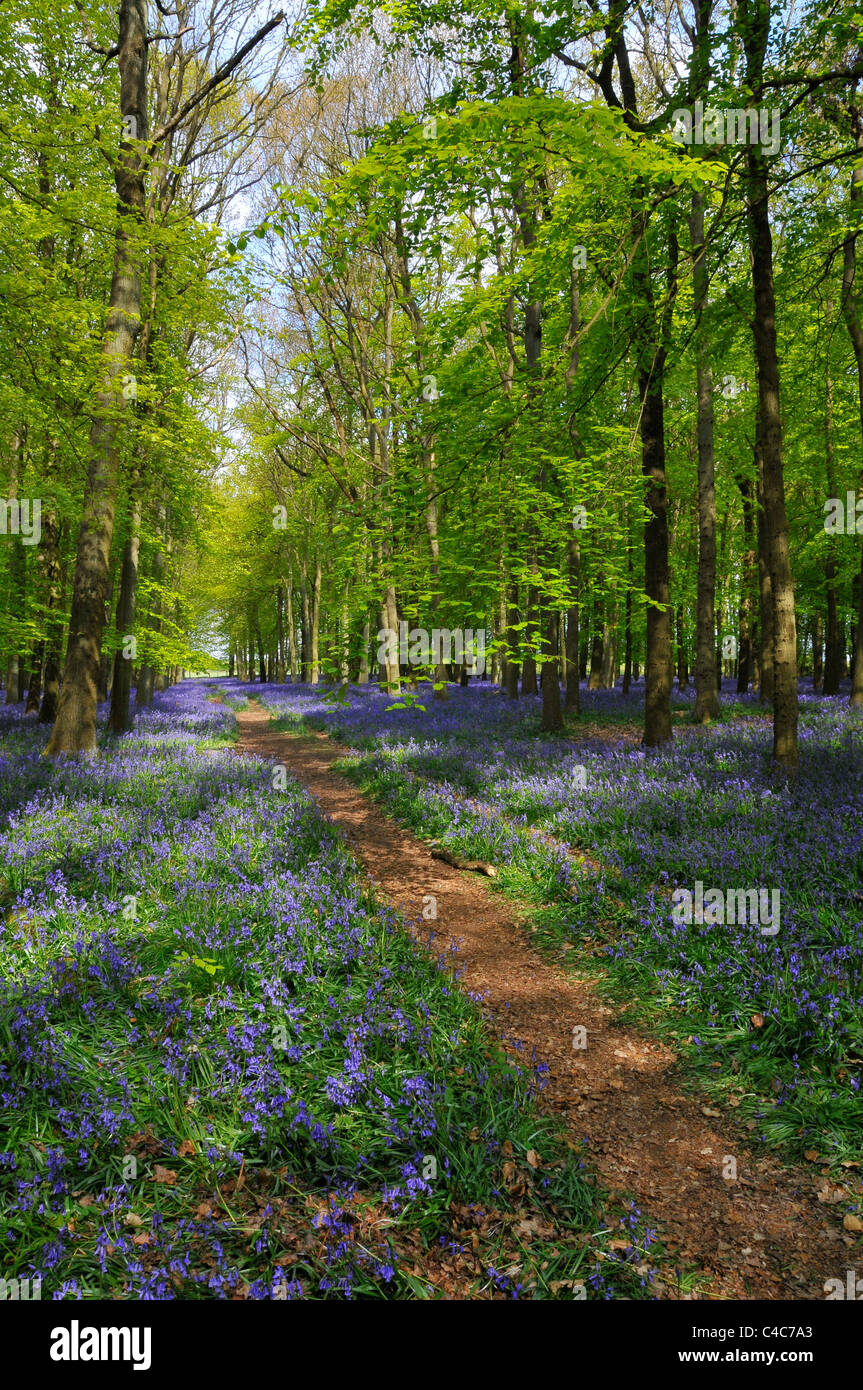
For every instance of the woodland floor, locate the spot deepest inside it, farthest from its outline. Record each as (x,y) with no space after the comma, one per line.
(766,1235)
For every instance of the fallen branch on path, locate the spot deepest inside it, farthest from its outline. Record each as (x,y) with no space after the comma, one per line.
(477,866)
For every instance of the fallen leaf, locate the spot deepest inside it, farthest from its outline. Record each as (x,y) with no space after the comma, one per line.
(186,1149)
(811,1155)
(204,1209)
(757,1020)
(130,1219)
(533,1158)
(852,1223)
(708,1110)
(506,1148)
(142,1238)
(533,1227)
(164,1175)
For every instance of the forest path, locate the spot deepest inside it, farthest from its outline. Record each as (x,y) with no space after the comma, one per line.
(764,1236)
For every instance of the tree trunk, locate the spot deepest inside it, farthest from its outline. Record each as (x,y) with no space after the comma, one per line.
(835,662)
(856,699)
(528,665)
(344,665)
(744,655)
(706,698)
(120,719)
(512,663)
(854,321)
(817,651)
(75,726)
(316,622)
(765,607)
(55,571)
(34,684)
(292,631)
(755,31)
(573,689)
(682,666)
(147,674)
(363,677)
(306,625)
(552,715)
(17,579)
(596,648)
(609,650)
(658,661)
(627,621)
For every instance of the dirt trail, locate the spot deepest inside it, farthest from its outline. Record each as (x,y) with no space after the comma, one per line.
(765,1235)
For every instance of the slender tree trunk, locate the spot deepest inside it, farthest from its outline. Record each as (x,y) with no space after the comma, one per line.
(765,597)
(817,651)
(851,311)
(120,718)
(573,689)
(34,684)
(528,665)
(744,655)
(292,630)
(552,714)
(512,664)
(609,649)
(391,621)
(596,649)
(857,667)
(363,677)
(755,31)
(17,578)
(146,683)
(682,665)
(627,621)
(835,662)
(259,643)
(306,626)
(55,575)
(835,639)
(502,623)
(281,670)
(658,661)
(105,671)
(316,622)
(706,698)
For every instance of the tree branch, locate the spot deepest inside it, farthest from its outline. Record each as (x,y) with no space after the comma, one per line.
(219,76)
